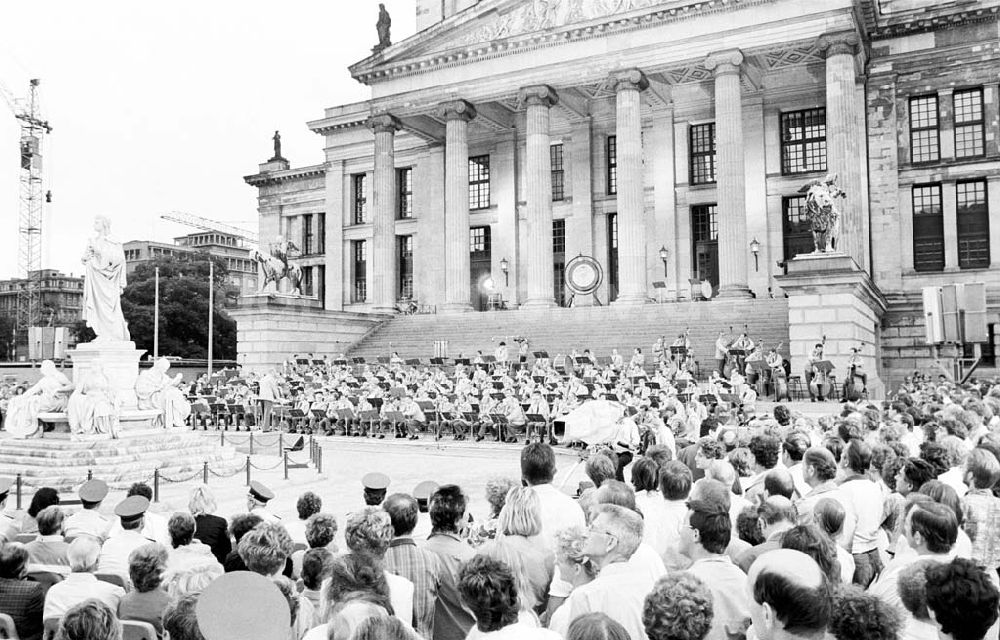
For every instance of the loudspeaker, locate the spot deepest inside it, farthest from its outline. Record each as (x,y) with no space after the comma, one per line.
(973,302)
(932,315)
(949,313)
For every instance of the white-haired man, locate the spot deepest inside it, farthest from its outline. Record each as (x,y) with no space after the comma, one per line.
(81,584)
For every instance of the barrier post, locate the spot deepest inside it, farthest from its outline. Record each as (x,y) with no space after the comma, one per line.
(204,472)
(285,461)
(156,485)
(281,441)
(248,471)
(319,460)
(19,486)
(222,437)
(90,474)
(251,443)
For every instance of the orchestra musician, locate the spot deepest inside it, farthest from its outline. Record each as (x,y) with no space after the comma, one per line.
(539,406)
(658,350)
(617,362)
(721,351)
(810,372)
(682,341)
(855,362)
(625,440)
(773,361)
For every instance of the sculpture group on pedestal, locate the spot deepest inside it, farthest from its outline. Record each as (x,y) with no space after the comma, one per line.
(156,390)
(49,394)
(823,211)
(94,407)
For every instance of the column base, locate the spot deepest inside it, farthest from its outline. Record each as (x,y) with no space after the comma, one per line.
(630,300)
(734,291)
(456,307)
(541,303)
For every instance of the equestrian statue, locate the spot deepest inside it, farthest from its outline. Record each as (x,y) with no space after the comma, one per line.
(275,266)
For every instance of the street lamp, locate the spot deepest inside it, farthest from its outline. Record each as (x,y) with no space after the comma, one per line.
(505,267)
(664,254)
(755,250)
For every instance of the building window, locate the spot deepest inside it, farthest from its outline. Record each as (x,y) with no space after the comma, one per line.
(558,173)
(405,267)
(612,256)
(928,228)
(969,130)
(359,251)
(924,144)
(479,240)
(796,231)
(705,223)
(558,236)
(307,235)
(803,141)
(320,233)
(479,182)
(307,281)
(404,178)
(702,151)
(973,225)
(612,148)
(359,201)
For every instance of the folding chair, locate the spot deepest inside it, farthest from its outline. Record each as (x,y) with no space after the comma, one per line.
(115,579)
(136,630)
(7,628)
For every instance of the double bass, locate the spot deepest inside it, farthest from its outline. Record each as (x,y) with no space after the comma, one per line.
(854,385)
(779,379)
(820,384)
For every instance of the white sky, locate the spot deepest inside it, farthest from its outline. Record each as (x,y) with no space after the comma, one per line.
(160,106)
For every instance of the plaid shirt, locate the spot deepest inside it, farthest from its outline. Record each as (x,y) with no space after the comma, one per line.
(981,510)
(23,601)
(405,559)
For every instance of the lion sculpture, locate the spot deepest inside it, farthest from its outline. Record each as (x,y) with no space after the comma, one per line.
(823,211)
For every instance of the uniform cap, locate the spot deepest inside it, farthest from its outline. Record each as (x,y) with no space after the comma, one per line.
(93,491)
(260,611)
(375,480)
(132,508)
(424,490)
(261,492)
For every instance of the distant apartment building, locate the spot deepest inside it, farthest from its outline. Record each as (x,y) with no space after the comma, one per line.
(242,270)
(60,297)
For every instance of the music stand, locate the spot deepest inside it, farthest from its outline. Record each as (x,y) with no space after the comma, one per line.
(678,351)
(497,396)
(540,355)
(413,362)
(437,361)
(501,421)
(707,398)
(358,360)
(660,287)
(382,359)
(462,361)
(340,362)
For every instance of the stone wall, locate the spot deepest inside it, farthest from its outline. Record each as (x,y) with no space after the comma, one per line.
(272,327)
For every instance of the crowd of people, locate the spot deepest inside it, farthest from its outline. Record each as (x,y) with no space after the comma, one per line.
(876,522)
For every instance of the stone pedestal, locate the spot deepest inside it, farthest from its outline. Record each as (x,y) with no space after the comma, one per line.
(120,362)
(829,295)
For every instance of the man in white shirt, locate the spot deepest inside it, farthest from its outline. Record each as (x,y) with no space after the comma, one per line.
(558,510)
(81,584)
(621,587)
(88,521)
(257,499)
(154,525)
(862,498)
(116,549)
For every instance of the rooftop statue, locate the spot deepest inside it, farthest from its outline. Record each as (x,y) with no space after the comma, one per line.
(823,211)
(382,26)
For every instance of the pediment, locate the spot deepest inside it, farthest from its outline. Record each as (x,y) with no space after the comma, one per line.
(504,25)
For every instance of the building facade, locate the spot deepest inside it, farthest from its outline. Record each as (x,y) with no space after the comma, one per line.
(233,249)
(668,141)
(60,298)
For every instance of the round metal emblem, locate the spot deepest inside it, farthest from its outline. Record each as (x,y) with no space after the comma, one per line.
(583,275)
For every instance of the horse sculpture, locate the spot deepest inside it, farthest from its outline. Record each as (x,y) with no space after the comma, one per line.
(823,211)
(275,267)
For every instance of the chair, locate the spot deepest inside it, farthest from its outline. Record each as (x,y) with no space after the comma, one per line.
(298,445)
(45,578)
(136,630)
(25,538)
(113,578)
(298,546)
(7,628)
(51,626)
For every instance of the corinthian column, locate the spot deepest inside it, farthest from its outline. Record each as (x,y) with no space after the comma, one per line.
(845,139)
(383,254)
(538,172)
(631,221)
(730,179)
(457,114)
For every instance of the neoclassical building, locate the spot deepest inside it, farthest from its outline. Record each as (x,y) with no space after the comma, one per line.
(669,141)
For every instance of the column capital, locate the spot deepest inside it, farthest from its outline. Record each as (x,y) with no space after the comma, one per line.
(840,42)
(724,62)
(538,94)
(628,80)
(456,110)
(383,123)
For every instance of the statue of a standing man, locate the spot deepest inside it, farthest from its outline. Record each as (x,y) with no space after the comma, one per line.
(382,26)
(277,147)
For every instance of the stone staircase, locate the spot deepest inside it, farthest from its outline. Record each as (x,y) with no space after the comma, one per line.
(63,464)
(600,329)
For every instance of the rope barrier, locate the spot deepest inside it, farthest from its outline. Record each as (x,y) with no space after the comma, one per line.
(241,469)
(187,479)
(280,462)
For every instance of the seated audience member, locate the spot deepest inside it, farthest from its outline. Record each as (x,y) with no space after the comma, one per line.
(44,498)
(790,596)
(779,482)
(154,525)
(575,569)
(308,504)
(829,516)
(369,532)
(347,616)
(147,600)
(600,468)
(981,508)
(298,623)
(48,551)
(20,598)
(90,620)
(382,628)
(650,501)
(188,552)
(126,538)
(241,525)
(195,579)
(316,567)
(488,589)
(912,585)
(962,599)
(812,541)
(596,626)
(496,495)
(776,516)
(680,607)
(266,549)
(857,615)
(320,530)
(452,619)
(81,584)
(520,525)
(180,619)
(675,484)
(353,577)
(210,528)
(404,558)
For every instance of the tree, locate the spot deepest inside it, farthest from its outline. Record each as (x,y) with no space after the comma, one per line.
(183,307)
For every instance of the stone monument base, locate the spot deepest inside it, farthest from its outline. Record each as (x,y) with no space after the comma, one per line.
(118,359)
(829,295)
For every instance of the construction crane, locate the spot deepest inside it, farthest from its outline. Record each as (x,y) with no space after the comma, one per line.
(205,224)
(29,222)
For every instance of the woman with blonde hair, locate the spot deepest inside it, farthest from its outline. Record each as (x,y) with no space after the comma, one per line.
(211,529)
(518,527)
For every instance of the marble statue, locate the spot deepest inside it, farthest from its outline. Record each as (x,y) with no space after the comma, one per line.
(382,26)
(93,407)
(47,395)
(154,389)
(275,266)
(103,283)
(823,211)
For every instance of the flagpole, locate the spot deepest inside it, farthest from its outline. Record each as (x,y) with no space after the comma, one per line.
(211,308)
(156,317)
